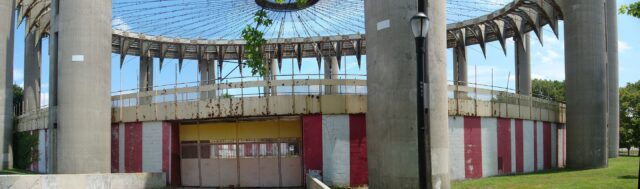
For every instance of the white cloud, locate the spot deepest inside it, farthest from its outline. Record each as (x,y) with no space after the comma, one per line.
(18,76)
(623,46)
(44,99)
(120,24)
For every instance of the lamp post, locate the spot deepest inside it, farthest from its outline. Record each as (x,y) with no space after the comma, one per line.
(420,26)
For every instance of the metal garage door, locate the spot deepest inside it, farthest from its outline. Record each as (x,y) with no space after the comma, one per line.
(242,154)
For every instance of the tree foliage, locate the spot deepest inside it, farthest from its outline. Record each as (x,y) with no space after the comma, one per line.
(632,9)
(18,94)
(255,41)
(630,115)
(548,89)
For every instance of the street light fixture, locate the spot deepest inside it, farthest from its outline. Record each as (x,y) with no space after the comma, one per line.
(420,26)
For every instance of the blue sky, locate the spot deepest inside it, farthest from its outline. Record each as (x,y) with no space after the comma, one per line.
(547,62)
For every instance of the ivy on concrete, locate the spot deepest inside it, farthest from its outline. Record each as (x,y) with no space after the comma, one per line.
(25,149)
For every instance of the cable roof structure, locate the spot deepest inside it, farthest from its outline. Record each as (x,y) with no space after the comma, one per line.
(225,19)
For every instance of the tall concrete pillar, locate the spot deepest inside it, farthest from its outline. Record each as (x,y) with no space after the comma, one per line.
(391,119)
(331,71)
(84,86)
(460,76)
(53,89)
(7,27)
(523,64)
(585,70)
(612,78)
(146,78)
(273,69)
(438,92)
(211,68)
(32,67)
(203,71)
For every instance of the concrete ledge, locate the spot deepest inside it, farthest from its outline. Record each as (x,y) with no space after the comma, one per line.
(314,183)
(89,181)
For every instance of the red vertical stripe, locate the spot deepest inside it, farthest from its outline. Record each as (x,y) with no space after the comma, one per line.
(358,150)
(312,143)
(175,155)
(166,149)
(519,147)
(504,146)
(547,144)
(472,147)
(133,147)
(115,150)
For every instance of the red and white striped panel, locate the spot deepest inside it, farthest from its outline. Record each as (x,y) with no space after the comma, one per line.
(41,164)
(335,147)
(145,147)
(481,147)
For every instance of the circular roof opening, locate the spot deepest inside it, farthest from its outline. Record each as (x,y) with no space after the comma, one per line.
(286,5)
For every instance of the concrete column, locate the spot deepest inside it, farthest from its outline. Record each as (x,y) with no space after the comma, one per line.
(146,78)
(273,72)
(391,118)
(53,90)
(211,68)
(585,70)
(460,76)
(438,92)
(32,67)
(612,78)
(84,86)
(331,71)
(7,27)
(523,64)
(203,70)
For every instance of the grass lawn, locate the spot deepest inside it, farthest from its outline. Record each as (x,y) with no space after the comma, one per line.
(621,173)
(14,172)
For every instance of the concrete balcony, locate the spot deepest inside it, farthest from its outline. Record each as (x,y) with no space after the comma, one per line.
(190,101)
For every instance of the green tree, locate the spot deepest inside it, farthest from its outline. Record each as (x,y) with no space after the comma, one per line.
(630,115)
(548,89)
(632,9)
(18,94)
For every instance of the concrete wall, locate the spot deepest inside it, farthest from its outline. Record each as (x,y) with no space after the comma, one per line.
(89,181)
(482,147)
(146,147)
(335,147)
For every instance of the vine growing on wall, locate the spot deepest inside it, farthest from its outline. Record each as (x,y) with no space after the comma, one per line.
(255,41)
(25,149)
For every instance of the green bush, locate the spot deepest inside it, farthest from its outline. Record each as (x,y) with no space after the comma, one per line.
(25,149)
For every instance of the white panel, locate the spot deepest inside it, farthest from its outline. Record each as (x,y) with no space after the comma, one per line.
(489,133)
(554,142)
(527,143)
(335,150)
(456,147)
(152,147)
(540,144)
(121,148)
(513,145)
(42,158)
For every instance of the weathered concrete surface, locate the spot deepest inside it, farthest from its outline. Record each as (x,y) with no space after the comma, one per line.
(83,86)
(460,76)
(391,85)
(612,79)
(523,64)
(32,67)
(438,89)
(315,183)
(331,71)
(7,25)
(145,82)
(585,70)
(89,181)
(53,89)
